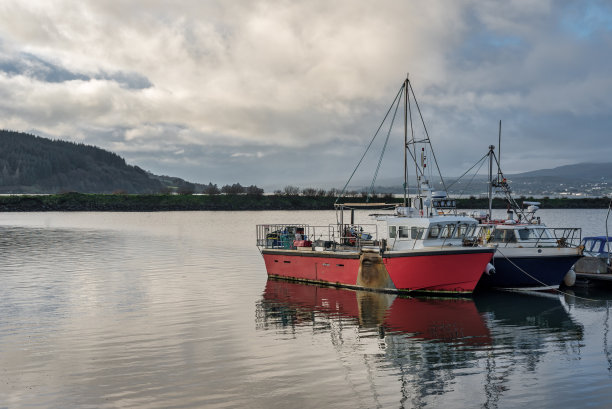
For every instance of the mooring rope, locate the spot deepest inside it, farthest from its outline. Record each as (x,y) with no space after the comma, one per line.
(544,284)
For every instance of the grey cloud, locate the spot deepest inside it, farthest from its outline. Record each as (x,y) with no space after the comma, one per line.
(37,68)
(128,80)
(236,90)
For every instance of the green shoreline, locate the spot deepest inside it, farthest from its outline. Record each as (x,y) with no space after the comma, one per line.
(165,202)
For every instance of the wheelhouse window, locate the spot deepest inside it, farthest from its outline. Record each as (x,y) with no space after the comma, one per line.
(533,234)
(416,233)
(503,236)
(447,231)
(392,232)
(465,230)
(404,232)
(434,231)
(592,245)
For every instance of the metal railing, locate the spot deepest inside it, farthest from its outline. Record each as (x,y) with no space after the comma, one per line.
(530,237)
(330,237)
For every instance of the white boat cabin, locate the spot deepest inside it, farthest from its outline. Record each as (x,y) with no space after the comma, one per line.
(408,231)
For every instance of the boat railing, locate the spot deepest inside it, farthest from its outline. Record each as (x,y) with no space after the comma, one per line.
(566,236)
(530,237)
(332,237)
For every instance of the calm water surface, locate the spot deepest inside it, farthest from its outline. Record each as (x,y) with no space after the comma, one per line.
(173,310)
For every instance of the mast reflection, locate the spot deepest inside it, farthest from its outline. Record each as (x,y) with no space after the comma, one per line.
(428,346)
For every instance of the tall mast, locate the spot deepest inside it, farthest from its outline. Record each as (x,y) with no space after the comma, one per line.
(405,141)
(491,148)
(499,154)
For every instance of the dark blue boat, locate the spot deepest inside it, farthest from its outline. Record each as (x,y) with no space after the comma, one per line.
(529,256)
(532,269)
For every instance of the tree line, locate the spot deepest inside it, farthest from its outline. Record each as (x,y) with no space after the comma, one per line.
(32,164)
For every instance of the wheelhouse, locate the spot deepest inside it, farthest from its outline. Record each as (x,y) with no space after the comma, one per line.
(408,233)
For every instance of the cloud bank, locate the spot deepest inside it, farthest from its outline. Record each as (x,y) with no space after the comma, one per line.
(282,92)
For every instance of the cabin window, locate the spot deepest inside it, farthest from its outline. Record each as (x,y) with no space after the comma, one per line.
(599,246)
(434,231)
(503,236)
(416,233)
(533,234)
(465,230)
(526,234)
(392,233)
(592,245)
(588,244)
(403,232)
(447,231)
(461,229)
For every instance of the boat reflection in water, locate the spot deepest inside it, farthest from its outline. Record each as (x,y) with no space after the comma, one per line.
(439,319)
(425,350)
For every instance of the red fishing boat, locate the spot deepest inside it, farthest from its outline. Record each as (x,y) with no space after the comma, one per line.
(423,245)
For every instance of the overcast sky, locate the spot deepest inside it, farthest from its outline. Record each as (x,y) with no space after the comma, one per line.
(291,92)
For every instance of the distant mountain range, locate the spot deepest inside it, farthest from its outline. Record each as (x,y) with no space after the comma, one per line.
(579,171)
(581,179)
(31,164)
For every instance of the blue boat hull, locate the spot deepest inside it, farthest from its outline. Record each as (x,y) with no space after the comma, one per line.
(528,273)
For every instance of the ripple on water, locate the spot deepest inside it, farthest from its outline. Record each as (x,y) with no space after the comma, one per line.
(174,310)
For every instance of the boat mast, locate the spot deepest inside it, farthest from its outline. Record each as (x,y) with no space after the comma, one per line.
(499,153)
(405,141)
(491,148)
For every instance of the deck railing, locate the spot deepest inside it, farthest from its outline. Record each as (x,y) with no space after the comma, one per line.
(331,237)
(531,237)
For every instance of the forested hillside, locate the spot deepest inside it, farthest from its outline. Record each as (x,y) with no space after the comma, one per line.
(31,164)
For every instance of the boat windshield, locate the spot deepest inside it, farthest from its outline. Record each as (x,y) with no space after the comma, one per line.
(503,236)
(434,231)
(528,234)
(448,231)
(406,232)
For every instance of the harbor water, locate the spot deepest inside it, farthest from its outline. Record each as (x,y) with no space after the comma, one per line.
(174,310)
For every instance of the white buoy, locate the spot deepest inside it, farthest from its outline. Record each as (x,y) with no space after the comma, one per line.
(570,278)
(490,269)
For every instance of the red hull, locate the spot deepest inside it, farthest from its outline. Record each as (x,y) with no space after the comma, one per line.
(448,271)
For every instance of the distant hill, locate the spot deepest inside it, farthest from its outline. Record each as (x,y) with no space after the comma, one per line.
(591,179)
(579,171)
(31,164)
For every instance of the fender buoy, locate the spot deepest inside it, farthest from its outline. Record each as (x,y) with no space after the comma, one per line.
(570,278)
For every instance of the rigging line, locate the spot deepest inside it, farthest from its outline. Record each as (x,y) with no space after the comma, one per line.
(471,180)
(473,166)
(370,144)
(413,152)
(382,153)
(540,282)
(427,134)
